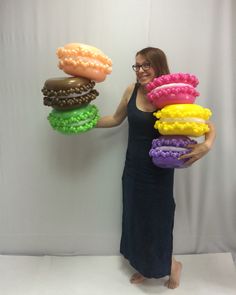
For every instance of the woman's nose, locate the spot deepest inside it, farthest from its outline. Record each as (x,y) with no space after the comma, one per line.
(140,69)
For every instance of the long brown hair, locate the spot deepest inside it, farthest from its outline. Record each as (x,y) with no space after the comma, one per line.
(157,59)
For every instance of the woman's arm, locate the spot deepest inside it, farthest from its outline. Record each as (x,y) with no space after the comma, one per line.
(120,114)
(201,149)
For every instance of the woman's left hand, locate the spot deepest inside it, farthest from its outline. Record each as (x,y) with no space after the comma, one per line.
(200,149)
(197,152)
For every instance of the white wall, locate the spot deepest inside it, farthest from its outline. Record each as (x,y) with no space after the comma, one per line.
(62,194)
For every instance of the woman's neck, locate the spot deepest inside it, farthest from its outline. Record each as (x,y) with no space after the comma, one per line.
(142,90)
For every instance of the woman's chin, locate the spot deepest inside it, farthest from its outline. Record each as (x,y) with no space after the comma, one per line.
(144,82)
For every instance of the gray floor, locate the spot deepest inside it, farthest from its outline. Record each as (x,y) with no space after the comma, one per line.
(91,275)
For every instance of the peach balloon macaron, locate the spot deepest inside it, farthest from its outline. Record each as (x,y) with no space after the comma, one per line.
(82,60)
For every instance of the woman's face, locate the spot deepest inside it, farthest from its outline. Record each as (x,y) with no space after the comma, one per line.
(144,72)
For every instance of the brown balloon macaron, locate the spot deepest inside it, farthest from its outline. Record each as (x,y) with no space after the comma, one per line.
(68,93)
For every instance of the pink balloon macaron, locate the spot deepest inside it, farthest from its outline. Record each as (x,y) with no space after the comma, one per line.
(178,88)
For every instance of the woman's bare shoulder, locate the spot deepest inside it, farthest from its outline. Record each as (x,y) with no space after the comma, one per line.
(129,90)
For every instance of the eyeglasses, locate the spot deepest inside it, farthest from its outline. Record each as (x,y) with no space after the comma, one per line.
(145,66)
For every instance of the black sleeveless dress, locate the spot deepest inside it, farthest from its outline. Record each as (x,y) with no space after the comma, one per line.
(148,203)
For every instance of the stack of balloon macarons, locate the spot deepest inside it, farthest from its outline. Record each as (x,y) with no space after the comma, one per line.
(71,96)
(178,118)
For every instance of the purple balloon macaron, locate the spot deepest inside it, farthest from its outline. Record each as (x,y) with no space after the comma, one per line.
(167,149)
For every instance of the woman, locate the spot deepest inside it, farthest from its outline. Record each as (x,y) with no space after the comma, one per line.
(148,202)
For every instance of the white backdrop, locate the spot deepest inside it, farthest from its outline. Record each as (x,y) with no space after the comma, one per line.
(62,194)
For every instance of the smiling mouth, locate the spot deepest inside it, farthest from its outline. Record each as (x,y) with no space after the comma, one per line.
(143,76)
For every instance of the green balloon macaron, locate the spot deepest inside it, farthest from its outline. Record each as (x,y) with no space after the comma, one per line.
(74,121)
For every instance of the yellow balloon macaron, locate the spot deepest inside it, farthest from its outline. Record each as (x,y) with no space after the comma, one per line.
(183,119)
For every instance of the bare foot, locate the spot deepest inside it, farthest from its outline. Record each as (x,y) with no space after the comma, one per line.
(137,278)
(174,278)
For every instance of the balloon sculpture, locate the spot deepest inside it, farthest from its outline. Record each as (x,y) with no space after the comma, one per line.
(178,117)
(70,97)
